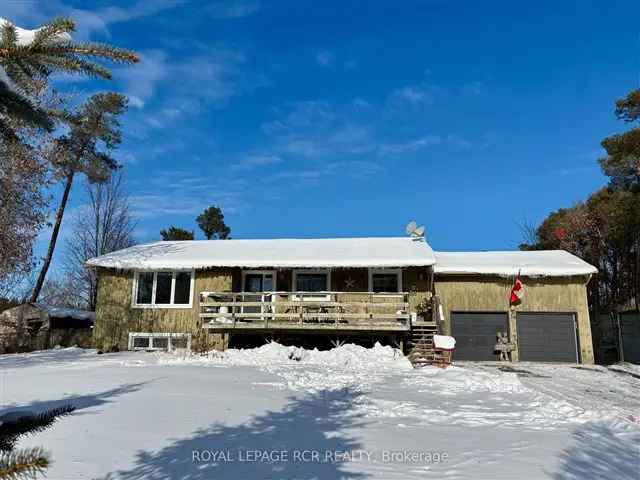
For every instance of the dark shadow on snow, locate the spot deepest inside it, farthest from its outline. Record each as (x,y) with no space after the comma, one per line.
(598,453)
(79,402)
(316,422)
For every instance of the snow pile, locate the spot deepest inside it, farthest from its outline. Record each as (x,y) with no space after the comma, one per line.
(349,356)
(457,380)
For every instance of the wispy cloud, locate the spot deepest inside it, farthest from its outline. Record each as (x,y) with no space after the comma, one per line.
(410,146)
(318,128)
(178,192)
(324,58)
(88,22)
(252,162)
(359,169)
(232,9)
(414,95)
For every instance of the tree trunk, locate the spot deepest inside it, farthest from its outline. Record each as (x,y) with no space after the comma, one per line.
(54,237)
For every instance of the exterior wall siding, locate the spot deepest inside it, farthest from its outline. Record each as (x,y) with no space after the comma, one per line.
(468,293)
(115,317)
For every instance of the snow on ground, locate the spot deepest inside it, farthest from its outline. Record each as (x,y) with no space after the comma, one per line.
(285,412)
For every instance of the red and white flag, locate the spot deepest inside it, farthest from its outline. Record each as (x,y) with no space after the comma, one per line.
(517,291)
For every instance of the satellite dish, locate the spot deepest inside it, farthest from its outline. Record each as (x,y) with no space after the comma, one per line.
(414,231)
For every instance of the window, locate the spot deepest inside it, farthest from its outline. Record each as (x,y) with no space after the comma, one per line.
(145,287)
(163,289)
(385,281)
(311,282)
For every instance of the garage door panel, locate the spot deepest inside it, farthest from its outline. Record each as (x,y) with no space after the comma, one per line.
(475,334)
(547,337)
(630,324)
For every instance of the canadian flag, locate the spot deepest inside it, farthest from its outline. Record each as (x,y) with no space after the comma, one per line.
(517,291)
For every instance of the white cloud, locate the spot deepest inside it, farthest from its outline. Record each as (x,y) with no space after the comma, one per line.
(175,192)
(141,81)
(410,146)
(232,9)
(356,169)
(324,58)
(414,95)
(252,162)
(318,128)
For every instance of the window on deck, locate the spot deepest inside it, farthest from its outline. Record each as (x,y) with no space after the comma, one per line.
(385,282)
(311,282)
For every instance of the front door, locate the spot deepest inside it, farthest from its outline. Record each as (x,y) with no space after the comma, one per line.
(259,282)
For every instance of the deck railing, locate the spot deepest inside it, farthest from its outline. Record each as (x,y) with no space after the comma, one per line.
(305,310)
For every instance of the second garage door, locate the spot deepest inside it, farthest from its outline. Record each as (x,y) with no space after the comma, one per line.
(475,334)
(547,337)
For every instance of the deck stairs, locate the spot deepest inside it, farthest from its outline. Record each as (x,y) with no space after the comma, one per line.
(420,351)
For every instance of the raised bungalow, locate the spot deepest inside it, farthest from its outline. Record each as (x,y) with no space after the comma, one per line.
(395,290)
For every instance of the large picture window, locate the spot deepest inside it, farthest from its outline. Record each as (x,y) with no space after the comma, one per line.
(163,289)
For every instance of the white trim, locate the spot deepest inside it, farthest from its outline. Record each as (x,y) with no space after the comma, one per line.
(153,305)
(262,297)
(151,336)
(259,272)
(388,271)
(315,296)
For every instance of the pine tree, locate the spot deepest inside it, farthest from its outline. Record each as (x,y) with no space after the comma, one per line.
(211,222)
(94,133)
(28,462)
(622,163)
(27,58)
(176,233)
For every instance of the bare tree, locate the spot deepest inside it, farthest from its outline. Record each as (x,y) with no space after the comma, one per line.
(23,175)
(106,226)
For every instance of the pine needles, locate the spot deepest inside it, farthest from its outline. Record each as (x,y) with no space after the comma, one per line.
(26,463)
(28,58)
(23,464)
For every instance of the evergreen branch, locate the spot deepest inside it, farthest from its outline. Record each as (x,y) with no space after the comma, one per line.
(53,31)
(73,64)
(90,49)
(10,432)
(21,77)
(12,104)
(23,464)
(9,35)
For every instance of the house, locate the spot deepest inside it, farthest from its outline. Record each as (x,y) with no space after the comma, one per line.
(395,290)
(37,326)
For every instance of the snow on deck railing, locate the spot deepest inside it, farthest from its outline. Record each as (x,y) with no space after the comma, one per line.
(328,309)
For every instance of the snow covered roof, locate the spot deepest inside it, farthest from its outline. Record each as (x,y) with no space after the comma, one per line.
(328,252)
(62,312)
(540,263)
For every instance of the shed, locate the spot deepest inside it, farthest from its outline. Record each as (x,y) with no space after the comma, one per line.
(34,326)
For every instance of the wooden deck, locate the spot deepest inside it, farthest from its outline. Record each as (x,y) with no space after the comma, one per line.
(305,311)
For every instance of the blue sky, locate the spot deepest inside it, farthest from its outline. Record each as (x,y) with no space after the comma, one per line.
(322,119)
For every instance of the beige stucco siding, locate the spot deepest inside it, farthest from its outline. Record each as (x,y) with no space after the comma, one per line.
(115,317)
(466,293)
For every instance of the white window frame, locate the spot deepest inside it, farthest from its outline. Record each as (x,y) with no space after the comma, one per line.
(259,272)
(385,271)
(134,295)
(313,296)
(264,308)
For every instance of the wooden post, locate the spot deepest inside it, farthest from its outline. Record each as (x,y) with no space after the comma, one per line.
(513,334)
